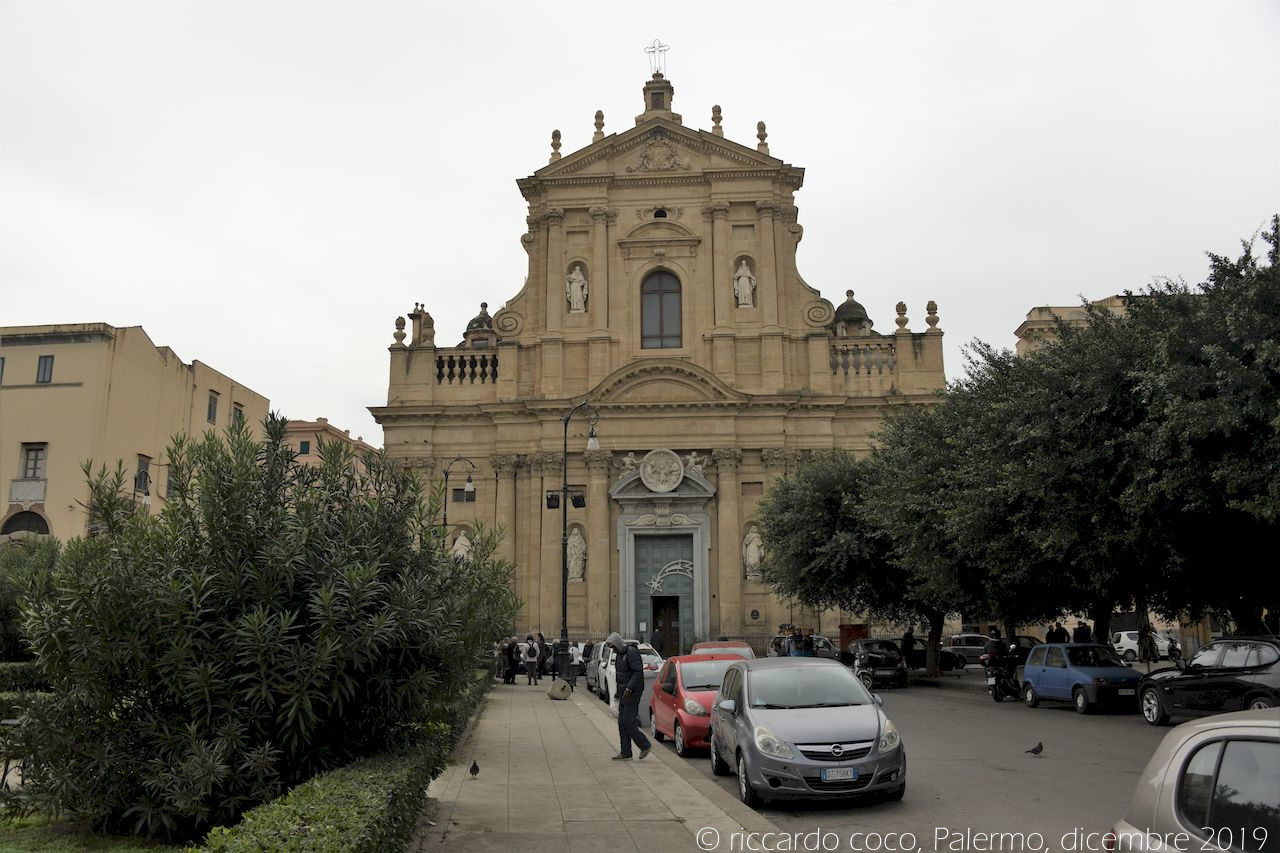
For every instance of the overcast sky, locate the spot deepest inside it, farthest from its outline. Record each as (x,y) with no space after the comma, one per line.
(265,186)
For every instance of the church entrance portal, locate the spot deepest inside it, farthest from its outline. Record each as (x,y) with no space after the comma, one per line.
(664,587)
(666,618)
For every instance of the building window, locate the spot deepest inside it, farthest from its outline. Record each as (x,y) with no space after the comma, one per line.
(304,448)
(1,369)
(168,480)
(463,496)
(237,414)
(26,522)
(44,370)
(142,479)
(213,407)
(660,311)
(658,101)
(33,459)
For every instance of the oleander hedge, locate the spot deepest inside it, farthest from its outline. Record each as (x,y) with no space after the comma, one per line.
(21,676)
(14,704)
(371,804)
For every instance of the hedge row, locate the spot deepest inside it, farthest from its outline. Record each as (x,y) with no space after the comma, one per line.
(15,704)
(371,804)
(21,676)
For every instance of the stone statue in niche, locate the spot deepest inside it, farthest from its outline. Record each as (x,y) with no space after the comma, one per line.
(462,546)
(744,285)
(575,290)
(752,553)
(577,555)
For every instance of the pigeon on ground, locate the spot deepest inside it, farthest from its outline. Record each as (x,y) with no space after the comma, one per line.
(1037,749)
(475,769)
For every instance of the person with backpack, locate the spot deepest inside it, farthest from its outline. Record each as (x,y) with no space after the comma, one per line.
(531,660)
(628,666)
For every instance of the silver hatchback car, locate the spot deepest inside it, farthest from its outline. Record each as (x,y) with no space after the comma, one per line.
(1212,784)
(803,728)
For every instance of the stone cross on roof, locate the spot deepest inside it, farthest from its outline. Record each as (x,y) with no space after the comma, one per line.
(657,56)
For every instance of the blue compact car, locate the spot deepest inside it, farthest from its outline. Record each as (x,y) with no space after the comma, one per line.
(1085,674)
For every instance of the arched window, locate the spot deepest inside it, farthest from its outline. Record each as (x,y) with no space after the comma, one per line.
(26,522)
(660,311)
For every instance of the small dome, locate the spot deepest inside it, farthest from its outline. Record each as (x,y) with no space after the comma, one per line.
(851,310)
(482,322)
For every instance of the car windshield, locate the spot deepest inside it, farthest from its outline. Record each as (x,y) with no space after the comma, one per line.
(703,675)
(882,647)
(740,651)
(1093,656)
(806,687)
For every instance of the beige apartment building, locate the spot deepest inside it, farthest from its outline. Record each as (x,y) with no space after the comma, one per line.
(89,391)
(662,289)
(304,438)
(1042,322)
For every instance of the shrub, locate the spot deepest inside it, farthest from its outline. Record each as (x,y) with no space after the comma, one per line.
(274,621)
(17,676)
(21,561)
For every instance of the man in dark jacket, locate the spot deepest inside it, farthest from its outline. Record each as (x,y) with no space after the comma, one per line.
(629,668)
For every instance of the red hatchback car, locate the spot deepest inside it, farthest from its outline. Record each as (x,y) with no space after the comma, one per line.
(682,696)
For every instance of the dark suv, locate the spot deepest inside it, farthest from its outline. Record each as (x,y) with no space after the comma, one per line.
(1228,674)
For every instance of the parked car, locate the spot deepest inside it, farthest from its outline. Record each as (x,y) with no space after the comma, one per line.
(877,661)
(681,703)
(1217,780)
(651,659)
(947,659)
(593,666)
(1126,644)
(1085,674)
(724,647)
(803,728)
(1229,674)
(969,646)
(780,646)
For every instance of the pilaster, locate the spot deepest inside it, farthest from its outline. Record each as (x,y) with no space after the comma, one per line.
(504,469)
(726,618)
(599,558)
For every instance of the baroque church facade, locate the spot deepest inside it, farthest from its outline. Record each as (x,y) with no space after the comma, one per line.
(662,290)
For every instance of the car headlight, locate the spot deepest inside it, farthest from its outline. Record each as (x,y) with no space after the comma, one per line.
(694,708)
(768,743)
(890,739)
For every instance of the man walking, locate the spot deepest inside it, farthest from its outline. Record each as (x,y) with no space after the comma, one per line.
(629,668)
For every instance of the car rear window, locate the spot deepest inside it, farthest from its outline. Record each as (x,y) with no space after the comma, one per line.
(703,675)
(1093,656)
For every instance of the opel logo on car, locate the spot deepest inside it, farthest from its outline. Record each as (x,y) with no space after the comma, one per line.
(837,750)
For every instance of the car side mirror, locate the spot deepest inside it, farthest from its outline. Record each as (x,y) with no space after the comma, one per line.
(1180,664)
(728,706)
(668,687)
(879,699)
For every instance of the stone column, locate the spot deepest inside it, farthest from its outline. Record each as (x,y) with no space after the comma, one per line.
(598,364)
(528,543)
(553,340)
(599,554)
(547,615)
(769,283)
(723,356)
(504,467)
(726,618)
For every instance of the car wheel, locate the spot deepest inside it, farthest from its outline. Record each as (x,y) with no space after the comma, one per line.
(996,693)
(1257,703)
(1130,655)
(1080,700)
(746,793)
(866,679)
(718,767)
(653,727)
(1030,696)
(682,749)
(1152,708)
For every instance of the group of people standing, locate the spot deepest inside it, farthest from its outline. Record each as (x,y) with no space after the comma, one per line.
(534,657)
(1058,634)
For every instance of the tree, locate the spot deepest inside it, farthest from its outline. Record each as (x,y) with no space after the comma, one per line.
(272,622)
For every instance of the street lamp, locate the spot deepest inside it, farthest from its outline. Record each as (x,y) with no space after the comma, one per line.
(562,647)
(469,488)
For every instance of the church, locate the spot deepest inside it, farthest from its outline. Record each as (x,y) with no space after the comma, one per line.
(622,416)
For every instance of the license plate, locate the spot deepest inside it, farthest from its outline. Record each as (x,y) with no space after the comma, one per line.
(1127,691)
(991,679)
(836,774)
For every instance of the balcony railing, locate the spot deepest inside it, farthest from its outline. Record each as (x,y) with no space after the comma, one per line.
(466,368)
(872,359)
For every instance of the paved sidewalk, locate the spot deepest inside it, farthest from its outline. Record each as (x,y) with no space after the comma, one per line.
(547,782)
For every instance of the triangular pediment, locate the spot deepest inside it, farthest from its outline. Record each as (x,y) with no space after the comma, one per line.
(658,147)
(664,382)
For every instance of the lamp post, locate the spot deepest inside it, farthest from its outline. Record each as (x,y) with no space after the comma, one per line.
(562,647)
(469,488)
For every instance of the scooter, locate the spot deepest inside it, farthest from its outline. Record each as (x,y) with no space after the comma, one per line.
(1000,671)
